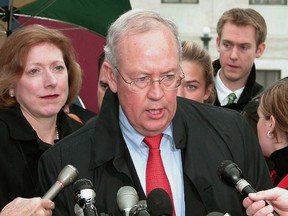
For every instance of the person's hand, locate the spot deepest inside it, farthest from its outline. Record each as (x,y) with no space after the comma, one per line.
(31,207)
(276,197)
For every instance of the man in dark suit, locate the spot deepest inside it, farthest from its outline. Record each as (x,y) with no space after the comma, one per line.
(143,57)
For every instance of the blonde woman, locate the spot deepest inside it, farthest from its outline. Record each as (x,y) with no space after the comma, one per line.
(198,83)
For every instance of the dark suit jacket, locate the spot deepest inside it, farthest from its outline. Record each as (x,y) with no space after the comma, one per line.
(20,150)
(251,89)
(207,135)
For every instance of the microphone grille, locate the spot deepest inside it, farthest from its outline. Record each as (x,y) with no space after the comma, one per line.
(127,197)
(222,166)
(68,175)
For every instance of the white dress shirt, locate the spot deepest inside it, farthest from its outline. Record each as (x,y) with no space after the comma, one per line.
(223,92)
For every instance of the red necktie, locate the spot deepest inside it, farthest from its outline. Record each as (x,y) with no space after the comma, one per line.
(155,172)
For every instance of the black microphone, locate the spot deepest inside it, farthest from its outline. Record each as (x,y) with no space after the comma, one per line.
(140,209)
(67,175)
(159,203)
(232,175)
(85,196)
(127,198)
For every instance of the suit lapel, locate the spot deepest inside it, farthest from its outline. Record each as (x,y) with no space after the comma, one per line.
(193,165)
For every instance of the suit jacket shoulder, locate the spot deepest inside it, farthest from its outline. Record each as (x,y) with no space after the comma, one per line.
(209,135)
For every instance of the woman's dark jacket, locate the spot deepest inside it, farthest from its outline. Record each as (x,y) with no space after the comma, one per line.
(20,150)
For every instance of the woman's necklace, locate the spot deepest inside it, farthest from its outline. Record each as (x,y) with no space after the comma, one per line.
(57,134)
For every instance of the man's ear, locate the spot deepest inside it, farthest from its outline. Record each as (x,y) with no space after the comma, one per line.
(112,80)
(218,44)
(260,50)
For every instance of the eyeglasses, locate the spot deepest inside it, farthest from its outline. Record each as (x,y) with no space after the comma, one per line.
(167,82)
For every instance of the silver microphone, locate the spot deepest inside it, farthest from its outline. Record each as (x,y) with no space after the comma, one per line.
(67,175)
(127,198)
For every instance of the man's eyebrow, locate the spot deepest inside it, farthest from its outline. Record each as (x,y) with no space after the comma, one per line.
(241,44)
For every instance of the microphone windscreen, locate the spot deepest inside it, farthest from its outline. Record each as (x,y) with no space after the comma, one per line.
(159,203)
(127,197)
(229,172)
(84,192)
(82,184)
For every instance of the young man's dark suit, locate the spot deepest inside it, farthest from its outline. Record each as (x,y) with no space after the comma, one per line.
(201,131)
(252,88)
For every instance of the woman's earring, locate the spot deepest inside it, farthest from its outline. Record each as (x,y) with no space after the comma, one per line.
(270,134)
(11,93)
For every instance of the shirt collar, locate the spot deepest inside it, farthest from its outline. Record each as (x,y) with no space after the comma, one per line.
(223,92)
(133,137)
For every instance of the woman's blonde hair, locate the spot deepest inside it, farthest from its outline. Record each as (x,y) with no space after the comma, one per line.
(192,52)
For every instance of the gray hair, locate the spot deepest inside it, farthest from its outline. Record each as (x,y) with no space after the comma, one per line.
(135,21)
